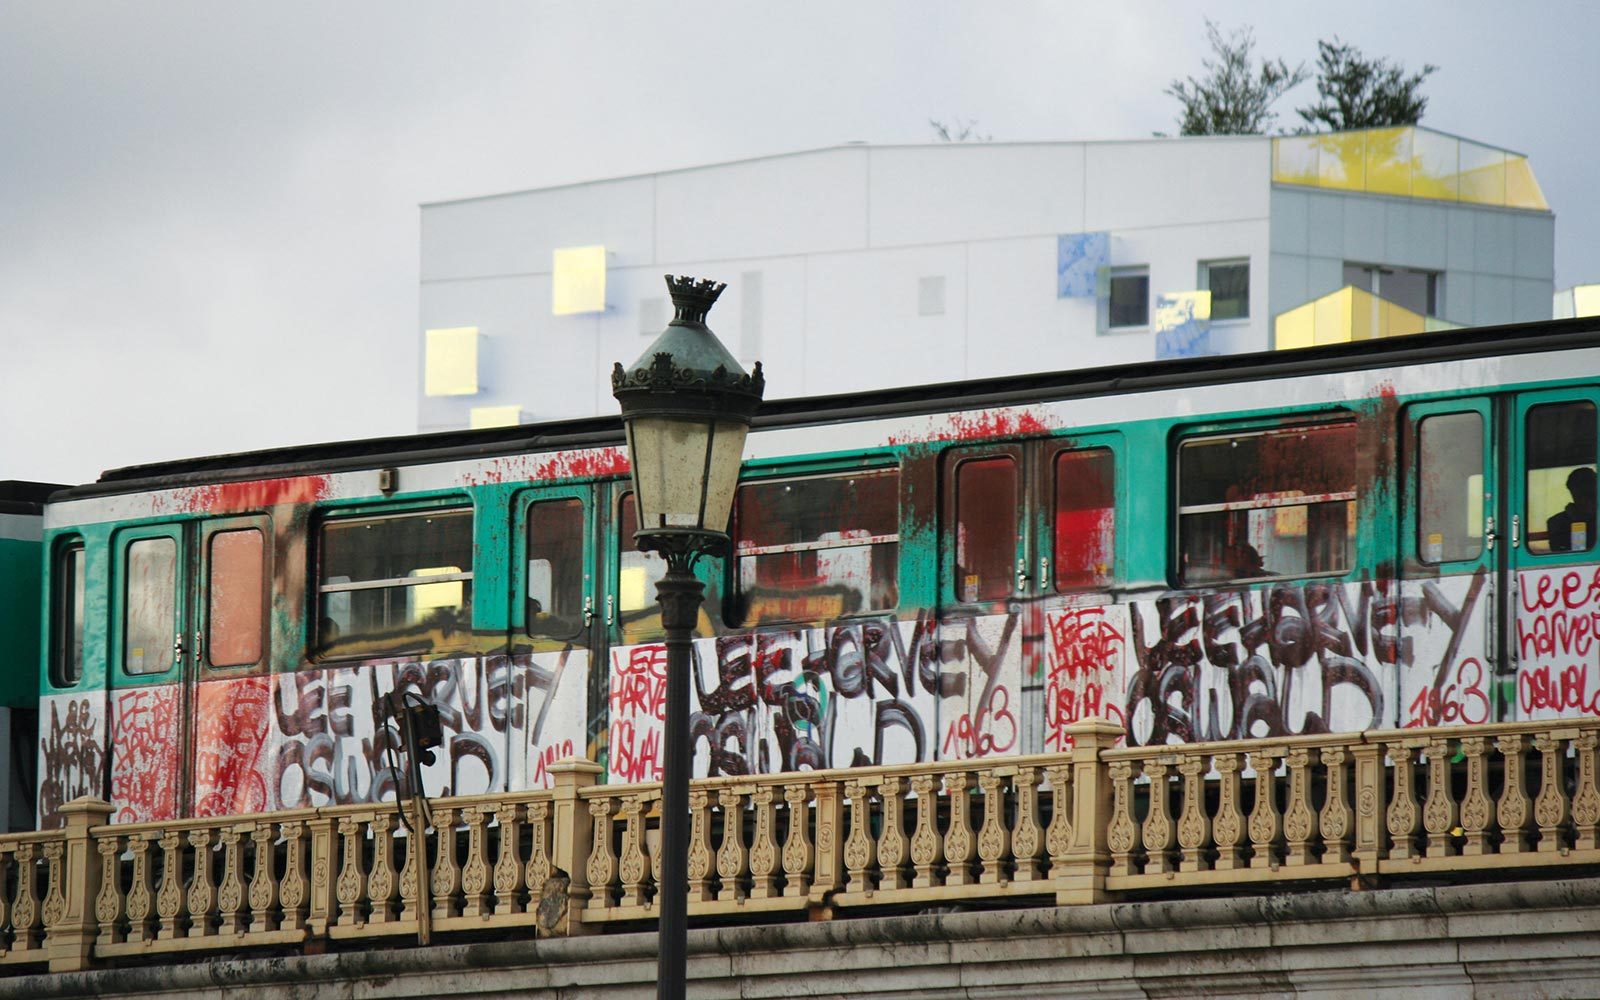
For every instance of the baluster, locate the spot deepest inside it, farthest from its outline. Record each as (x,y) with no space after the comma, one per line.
(926,844)
(699,867)
(1439,809)
(960,846)
(169,898)
(1122,836)
(202,895)
(894,847)
(1514,808)
(1476,810)
(1228,829)
(654,856)
(798,853)
(539,866)
(764,849)
(1336,820)
(475,873)
(382,890)
(1058,835)
(1550,808)
(108,903)
(292,889)
(1300,822)
(230,894)
(141,897)
(5,901)
(1027,840)
(859,848)
(1586,803)
(352,879)
(732,858)
(1194,826)
(1159,834)
(1403,818)
(446,882)
(263,879)
(633,865)
(602,867)
(508,864)
(411,875)
(994,837)
(1266,823)
(25,926)
(55,899)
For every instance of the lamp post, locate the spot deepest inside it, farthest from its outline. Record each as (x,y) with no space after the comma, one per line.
(686,405)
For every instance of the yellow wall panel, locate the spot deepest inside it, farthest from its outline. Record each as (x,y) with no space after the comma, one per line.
(1342,161)
(1388,161)
(1586,300)
(450,366)
(1296,328)
(495,416)
(1483,174)
(1294,159)
(1435,164)
(578,281)
(1522,188)
(1333,317)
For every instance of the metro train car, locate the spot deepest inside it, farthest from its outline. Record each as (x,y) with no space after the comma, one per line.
(21,534)
(1364,536)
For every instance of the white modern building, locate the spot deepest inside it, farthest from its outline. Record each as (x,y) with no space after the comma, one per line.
(862,266)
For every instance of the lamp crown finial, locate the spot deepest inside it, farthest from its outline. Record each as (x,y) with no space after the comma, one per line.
(692,298)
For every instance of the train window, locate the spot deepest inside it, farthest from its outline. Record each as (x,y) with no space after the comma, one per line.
(66,617)
(555,568)
(813,549)
(986,528)
(150,603)
(235,598)
(1270,504)
(1450,487)
(637,572)
(394,584)
(1085,519)
(1559,461)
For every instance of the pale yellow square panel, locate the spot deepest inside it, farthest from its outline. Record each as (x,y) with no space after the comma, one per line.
(1294,159)
(1522,188)
(1296,328)
(578,281)
(1342,160)
(495,416)
(1435,165)
(1483,174)
(1586,300)
(451,362)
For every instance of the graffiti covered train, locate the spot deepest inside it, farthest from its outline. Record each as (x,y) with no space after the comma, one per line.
(1345,538)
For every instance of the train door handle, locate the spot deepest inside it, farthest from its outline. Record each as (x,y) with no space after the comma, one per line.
(177,648)
(1022,576)
(1516,530)
(611,609)
(1489,533)
(588,611)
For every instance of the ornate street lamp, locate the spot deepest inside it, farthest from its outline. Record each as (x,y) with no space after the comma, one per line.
(686,405)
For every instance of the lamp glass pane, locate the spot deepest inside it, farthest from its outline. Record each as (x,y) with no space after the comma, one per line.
(669,462)
(727,452)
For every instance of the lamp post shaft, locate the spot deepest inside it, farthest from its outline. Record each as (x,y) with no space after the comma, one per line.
(680,594)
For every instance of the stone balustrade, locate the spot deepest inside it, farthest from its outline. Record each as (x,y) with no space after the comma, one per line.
(1084,826)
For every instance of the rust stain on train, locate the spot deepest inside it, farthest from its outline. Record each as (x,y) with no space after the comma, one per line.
(1009,422)
(590,463)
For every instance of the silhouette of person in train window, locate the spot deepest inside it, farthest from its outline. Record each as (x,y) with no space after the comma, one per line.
(1578,514)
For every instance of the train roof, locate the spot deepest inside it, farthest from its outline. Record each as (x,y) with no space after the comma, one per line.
(1443,346)
(20,496)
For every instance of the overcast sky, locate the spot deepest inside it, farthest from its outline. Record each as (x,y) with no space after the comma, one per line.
(208,212)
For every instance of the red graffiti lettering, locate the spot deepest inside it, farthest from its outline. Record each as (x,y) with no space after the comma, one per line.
(144,754)
(634,755)
(1544,688)
(1465,701)
(993,730)
(1085,651)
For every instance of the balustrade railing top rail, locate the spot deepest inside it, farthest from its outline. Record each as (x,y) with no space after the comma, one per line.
(1074,827)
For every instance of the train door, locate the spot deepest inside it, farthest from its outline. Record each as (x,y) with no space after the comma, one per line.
(189,696)
(1549,621)
(228,675)
(1029,550)
(150,656)
(558,626)
(1453,532)
(627,695)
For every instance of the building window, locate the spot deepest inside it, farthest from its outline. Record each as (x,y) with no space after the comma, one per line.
(1228,281)
(1408,288)
(397,583)
(816,549)
(1128,304)
(1277,503)
(66,644)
